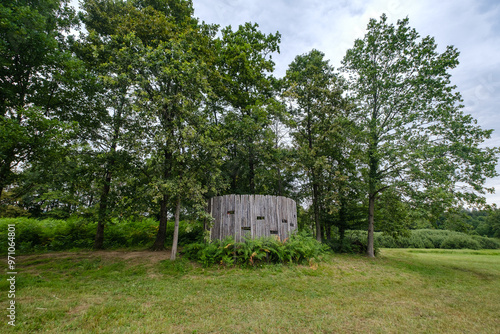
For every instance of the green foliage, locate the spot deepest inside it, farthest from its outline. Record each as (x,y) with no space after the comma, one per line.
(320,128)
(151,109)
(493,221)
(34,235)
(427,238)
(416,138)
(299,248)
(48,235)
(35,72)
(460,242)
(354,242)
(245,103)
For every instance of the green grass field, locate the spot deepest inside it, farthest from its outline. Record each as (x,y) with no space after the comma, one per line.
(402,291)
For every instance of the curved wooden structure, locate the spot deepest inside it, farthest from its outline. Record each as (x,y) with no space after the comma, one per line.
(252,216)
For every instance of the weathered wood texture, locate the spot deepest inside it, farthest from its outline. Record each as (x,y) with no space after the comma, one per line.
(252,216)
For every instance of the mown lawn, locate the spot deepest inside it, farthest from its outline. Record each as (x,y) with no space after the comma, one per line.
(402,291)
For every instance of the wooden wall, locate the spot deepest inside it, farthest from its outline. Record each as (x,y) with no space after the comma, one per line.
(252,215)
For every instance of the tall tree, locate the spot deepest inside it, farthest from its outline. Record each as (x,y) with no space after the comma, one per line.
(171,71)
(35,70)
(417,140)
(316,108)
(246,92)
(114,128)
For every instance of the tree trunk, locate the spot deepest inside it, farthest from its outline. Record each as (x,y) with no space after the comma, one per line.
(176,229)
(102,215)
(373,162)
(161,236)
(208,210)
(316,212)
(341,235)
(328,231)
(371,220)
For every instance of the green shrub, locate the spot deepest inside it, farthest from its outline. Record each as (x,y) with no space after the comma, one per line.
(460,242)
(299,248)
(487,243)
(355,242)
(55,235)
(427,238)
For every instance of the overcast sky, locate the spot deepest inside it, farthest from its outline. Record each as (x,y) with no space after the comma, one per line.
(473,26)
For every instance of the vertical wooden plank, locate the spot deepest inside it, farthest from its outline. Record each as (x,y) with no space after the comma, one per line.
(222,217)
(235,215)
(244,216)
(273,215)
(215,234)
(219,217)
(270,213)
(226,217)
(256,212)
(215,214)
(282,218)
(265,209)
(237,218)
(211,212)
(251,208)
(267,221)
(249,204)
(279,217)
(288,215)
(259,213)
(264,231)
(248,218)
(230,216)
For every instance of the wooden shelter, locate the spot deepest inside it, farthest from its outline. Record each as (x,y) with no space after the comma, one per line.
(252,216)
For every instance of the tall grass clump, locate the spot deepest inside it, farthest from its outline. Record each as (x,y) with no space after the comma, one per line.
(298,248)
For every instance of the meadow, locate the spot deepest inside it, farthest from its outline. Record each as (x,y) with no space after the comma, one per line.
(401,291)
